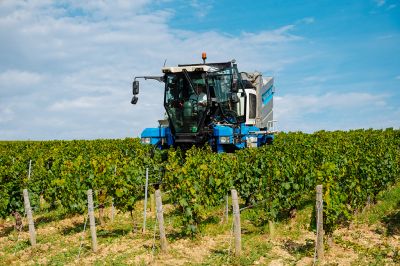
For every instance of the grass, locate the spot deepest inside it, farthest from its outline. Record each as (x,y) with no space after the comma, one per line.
(386,211)
(63,257)
(19,245)
(59,237)
(384,220)
(375,255)
(254,248)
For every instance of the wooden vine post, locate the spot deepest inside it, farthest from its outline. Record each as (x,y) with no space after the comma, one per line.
(152,202)
(226,208)
(112,210)
(28,211)
(236,223)
(160,218)
(271,226)
(112,199)
(30,169)
(101,198)
(320,224)
(145,201)
(92,221)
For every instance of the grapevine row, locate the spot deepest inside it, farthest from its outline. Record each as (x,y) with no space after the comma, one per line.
(353,167)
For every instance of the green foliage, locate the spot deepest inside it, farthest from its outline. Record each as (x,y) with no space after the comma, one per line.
(352,166)
(198,181)
(62,172)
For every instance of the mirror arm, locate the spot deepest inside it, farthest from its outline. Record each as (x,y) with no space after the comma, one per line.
(158,78)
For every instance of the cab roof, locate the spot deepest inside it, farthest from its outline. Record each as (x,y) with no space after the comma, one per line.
(197,67)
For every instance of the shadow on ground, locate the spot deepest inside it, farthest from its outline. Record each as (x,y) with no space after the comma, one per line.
(295,248)
(392,222)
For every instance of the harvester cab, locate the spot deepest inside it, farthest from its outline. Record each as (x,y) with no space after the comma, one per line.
(212,103)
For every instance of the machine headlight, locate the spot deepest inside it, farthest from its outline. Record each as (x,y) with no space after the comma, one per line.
(251,142)
(252,139)
(224,140)
(146,140)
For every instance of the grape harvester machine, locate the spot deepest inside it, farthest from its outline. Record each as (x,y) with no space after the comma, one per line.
(212,103)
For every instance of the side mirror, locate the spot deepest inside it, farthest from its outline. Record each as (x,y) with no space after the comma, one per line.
(134,100)
(135,87)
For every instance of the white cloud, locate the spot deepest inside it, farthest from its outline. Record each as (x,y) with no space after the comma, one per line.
(201,8)
(275,36)
(295,111)
(307,20)
(6,114)
(380,2)
(318,78)
(15,78)
(82,102)
(74,61)
(296,104)
(385,37)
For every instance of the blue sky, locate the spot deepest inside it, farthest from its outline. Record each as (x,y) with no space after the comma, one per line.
(66,66)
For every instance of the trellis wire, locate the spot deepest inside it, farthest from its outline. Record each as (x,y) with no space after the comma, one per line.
(83,236)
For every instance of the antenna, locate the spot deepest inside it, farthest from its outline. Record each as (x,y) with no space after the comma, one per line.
(165,61)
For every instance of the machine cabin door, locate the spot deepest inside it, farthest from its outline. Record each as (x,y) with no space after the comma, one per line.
(186,103)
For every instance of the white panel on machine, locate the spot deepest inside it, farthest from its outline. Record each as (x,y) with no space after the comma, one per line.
(251,106)
(264,92)
(265,103)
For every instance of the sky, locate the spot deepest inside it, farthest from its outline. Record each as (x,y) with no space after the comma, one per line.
(66,67)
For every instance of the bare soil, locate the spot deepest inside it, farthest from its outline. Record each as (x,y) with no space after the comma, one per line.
(60,242)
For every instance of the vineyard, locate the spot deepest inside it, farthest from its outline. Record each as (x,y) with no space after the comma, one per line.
(274,181)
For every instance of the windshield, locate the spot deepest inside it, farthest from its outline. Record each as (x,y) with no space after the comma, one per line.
(222,82)
(185,102)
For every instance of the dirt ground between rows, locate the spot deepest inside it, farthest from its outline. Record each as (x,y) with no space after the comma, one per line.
(353,245)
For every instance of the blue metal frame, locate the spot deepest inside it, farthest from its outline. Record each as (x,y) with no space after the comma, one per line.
(243,131)
(157,134)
